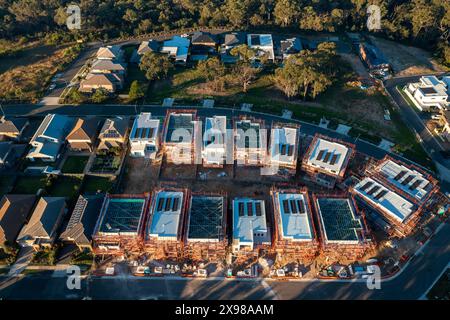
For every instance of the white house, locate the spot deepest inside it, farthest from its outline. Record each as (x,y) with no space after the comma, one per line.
(144,136)
(263,43)
(284,146)
(429,93)
(49,137)
(249,224)
(215,141)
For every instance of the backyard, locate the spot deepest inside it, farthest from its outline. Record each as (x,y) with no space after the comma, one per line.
(106,163)
(75,164)
(31,184)
(93,184)
(65,186)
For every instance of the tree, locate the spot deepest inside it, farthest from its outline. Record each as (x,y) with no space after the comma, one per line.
(155,65)
(100,95)
(286,12)
(136,91)
(244,52)
(211,68)
(244,74)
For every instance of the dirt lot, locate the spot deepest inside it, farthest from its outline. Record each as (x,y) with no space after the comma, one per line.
(173,172)
(141,175)
(356,64)
(407,60)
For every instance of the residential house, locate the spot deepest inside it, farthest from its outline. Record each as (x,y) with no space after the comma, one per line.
(284,141)
(113,133)
(108,81)
(41,229)
(215,141)
(429,93)
(326,160)
(231,41)
(177,48)
(374,59)
(148,46)
(49,137)
(82,136)
(82,222)
(250,142)
(108,66)
(5,151)
(180,134)
(12,128)
(203,44)
(263,43)
(114,52)
(289,47)
(250,229)
(444,125)
(144,136)
(14,212)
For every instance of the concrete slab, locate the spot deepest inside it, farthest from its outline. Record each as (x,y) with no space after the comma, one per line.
(343,129)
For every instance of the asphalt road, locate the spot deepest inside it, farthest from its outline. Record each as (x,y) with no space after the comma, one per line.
(414,120)
(411,283)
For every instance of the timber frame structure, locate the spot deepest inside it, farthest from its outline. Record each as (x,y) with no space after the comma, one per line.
(212,250)
(405,228)
(247,156)
(161,248)
(337,250)
(120,243)
(302,250)
(170,148)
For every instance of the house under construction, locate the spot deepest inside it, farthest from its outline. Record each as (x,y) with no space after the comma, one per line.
(283,148)
(180,136)
(120,224)
(250,141)
(343,230)
(217,142)
(251,231)
(294,233)
(165,225)
(205,238)
(398,192)
(326,160)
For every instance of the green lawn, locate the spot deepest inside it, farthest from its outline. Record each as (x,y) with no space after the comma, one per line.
(92,184)
(65,186)
(5,184)
(31,184)
(106,163)
(75,164)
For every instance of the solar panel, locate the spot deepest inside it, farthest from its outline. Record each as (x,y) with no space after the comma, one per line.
(290,150)
(300,205)
(167,207)
(175,204)
(258,209)
(400,175)
(283,149)
(249,209)
(415,185)
(293,206)
(380,194)
(366,185)
(319,156)
(333,159)
(241,209)
(327,156)
(160,204)
(373,190)
(286,207)
(407,180)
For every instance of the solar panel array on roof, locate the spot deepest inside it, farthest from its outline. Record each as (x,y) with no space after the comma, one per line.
(333,159)
(293,206)
(373,190)
(366,185)
(290,150)
(168,204)
(381,194)
(407,180)
(400,175)
(258,209)
(286,206)
(175,202)
(241,209)
(249,209)
(160,204)
(319,156)
(301,205)
(327,156)
(415,184)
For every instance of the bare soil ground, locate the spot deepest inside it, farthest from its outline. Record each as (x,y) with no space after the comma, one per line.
(407,60)
(356,64)
(219,174)
(174,172)
(141,175)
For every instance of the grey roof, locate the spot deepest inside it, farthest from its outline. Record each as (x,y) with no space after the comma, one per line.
(234,39)
(12,124)
(83,219)
(5,147)
(14,210)
(203,37)
(179,121)
(44,218)
(55,126)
